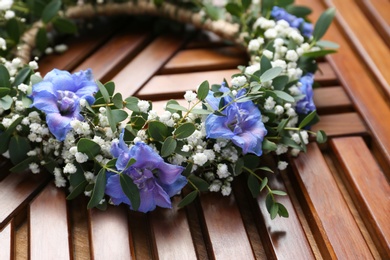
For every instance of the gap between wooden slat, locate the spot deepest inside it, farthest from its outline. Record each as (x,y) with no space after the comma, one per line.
(368,186)
(48,225)
(326,208)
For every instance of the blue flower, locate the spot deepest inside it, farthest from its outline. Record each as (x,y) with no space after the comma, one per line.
(58,96)
(280,14)
(156,180)
(306,104)
(241,124)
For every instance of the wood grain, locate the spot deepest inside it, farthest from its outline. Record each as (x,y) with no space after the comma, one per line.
(332,100)
(110,236)
(48,225)
(368,186)
(328,212)
(341,124)
(6,241)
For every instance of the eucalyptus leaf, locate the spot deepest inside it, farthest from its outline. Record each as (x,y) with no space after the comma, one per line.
(4,91)
(234,9)
(265,64)
(13,29)
(283,95)
(51,10)
(323,23)
(158,130)
(64,25)
(203,90)
(131,190)
(168,146)
(76,191)
(4,77)
(6,102)
(19,146)
(253,185)
(282,211)
(268,145)
(119,115)
(320,53)
(270,74)
(98,189)
(176,107)
(307,119)
(41,39)
(274,210)
(279,192)
(327,44)
(132,104)
(298,11)
(23,76)
(111,119)
(263,184)
(200,111)
(185,130)
(103,91)
(188,199)
(200,184)
(280,82)
(88,147)
(23,165)
(321,137)
(118,100)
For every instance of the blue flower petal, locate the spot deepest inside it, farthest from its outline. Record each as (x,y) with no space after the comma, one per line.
(58,125)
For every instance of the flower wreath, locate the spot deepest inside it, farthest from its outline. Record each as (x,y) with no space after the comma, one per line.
(117,150)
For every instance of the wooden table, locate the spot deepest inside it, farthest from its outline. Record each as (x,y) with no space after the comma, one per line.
(339,193)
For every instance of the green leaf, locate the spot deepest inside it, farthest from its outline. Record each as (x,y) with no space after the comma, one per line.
(253,185)
(23,76)
(98,189)
(185,130)
(4,92)
(212,11)
(23,165)
(88,147)
(203,90)
(268,145)
(201,184)
(266,169)
(77,190)
(168,146)
(188,199)
(18,149)
(238,167)
(131,191)
(251,161)
(132,104)
(111,119)
(284,3)
(270,74)
(265,64)
(176,107)
(323,23)
(35,79)
(64,25)
(307,119)
(280,82)
(4,77)
(13,29)
(320,53)
(110,86)
(283,212)
(234,9)
(137,120)
(200,111)
(41,39)
(279,192)
(282,125)
(246,4)
(283,95)
(118,115)
(298,11)
(264,183)
(321,137)
(274,210)
(118,100)
(157,130)
(104,92)
(269,201)
(51,10)
(327,44)
(6,102)
(129,163)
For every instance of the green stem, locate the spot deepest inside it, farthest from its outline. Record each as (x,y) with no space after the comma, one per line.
(260,179)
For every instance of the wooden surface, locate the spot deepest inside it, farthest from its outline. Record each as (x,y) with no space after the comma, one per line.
(339,195)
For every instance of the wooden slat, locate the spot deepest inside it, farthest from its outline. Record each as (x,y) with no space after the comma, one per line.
(114,54)
(332,100)
(174,86)
(172,237)
(369,187)
(341,124)
(6,241)
(48,223)
(359,84)
(110,237)
(205,59)
(325,74)
(16,190)
(143,66)
(328,212)
(225,229)
(285,235)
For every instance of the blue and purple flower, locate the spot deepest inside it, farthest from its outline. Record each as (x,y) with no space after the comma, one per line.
(306,104)
(59,95)
(296,22)
(241,122)
(156,180)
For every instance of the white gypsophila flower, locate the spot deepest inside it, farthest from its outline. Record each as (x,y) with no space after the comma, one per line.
(296,36)
(282,165)
(268,54)
(143,106)
(281,149)
(89,176)
(103,120)
(305,136)
(3,44)
(82,102)
(70,168)
(294,90)
(270,33)
(264,119)
(209,176)
(252,68)
(226,190)
(32,153)
(176,116)
(49,50)
(279,63)
(253,45)
(190,96)
(186,148)
(293,121)
(238,81)
(9,14)
(295,138)
(33,65)
(295,152)
(102,110)
(222,171)
(215,186)
(177,159)
(230,154)
(6,4)
(217,147)
(291,112)
(152,114)
(23,87)
(73,150)
(166,116)
(34,168)
(60,48)
(269,103)
(19,106)
(279,110)
(210,154)
(6,154)
(287,106)
(292,65)
(291,55)
(59,180)
(199,159)
(81,157)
